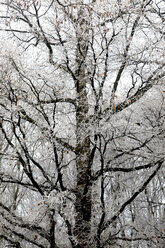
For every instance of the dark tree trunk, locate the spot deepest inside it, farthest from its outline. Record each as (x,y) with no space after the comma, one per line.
(83,190)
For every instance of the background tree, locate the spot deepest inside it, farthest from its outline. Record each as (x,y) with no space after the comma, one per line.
(82,123)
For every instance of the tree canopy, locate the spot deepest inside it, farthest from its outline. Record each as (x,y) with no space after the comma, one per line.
(82,123)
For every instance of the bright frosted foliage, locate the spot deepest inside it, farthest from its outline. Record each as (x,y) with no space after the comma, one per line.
(82,123)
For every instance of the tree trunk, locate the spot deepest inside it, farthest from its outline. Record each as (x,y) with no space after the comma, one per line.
(83,190)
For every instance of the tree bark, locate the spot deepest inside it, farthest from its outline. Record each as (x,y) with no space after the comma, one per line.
(83,189)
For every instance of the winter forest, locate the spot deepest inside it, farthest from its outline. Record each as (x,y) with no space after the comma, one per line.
(82,123)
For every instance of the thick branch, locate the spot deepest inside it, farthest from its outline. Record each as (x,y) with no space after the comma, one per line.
(132,198)
(120,169)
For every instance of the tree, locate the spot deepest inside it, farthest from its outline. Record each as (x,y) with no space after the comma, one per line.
(82,140)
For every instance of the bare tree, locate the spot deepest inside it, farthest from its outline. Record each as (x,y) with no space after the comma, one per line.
(83,137)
